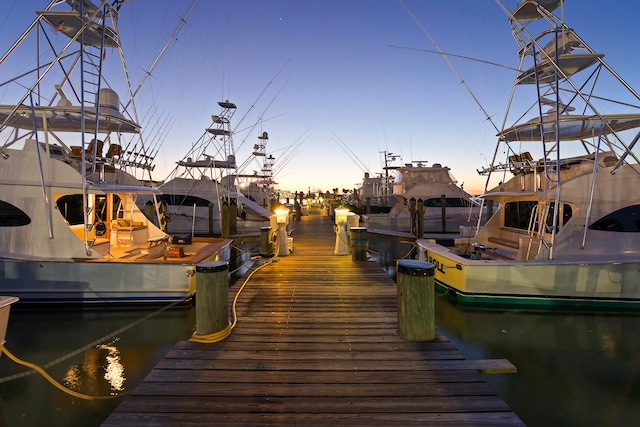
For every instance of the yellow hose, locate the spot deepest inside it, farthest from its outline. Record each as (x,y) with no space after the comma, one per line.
(48,377)
(226,332)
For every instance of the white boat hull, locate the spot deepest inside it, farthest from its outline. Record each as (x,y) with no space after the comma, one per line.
(99,282)
(534,282)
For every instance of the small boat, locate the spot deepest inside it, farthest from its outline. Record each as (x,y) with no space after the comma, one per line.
(200,193)
(565,229)
(70,229)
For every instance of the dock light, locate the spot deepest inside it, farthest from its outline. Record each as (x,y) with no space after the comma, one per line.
(342,242)
(282,217)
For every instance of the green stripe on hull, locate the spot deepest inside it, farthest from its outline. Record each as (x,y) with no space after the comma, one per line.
(528,302)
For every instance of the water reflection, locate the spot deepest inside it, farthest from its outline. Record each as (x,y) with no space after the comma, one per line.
(574,369)
(51,337)
(100,369)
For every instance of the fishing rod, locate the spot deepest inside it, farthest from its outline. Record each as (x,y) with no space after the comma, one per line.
(164,48)
(453,55)
(265,110)
(455,71)
(260,95)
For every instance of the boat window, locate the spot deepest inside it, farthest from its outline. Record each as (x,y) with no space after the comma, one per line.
(451,202)
(11,216)
(626,219)
(566,213)
(182,200)
(70,206)
(517,214)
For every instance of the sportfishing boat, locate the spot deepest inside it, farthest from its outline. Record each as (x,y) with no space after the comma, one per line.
(433,191)
(565,230)
(200,193)
(259,186)
(70,229)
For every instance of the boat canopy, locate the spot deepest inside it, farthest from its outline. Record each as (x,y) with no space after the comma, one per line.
(572,127)
(568,64)
(70,23)
(67,119)
(530,10)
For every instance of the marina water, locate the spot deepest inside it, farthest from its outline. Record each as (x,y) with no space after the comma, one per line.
(574,369)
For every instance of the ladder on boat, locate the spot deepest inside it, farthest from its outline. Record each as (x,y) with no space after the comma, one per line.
(536,231)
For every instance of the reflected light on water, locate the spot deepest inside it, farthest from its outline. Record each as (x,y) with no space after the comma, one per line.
(102,362)
(114,369)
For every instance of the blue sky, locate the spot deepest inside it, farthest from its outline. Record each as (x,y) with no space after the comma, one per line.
(338,80)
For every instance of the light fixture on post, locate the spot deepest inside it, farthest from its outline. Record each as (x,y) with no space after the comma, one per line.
(342,243)
(282,217)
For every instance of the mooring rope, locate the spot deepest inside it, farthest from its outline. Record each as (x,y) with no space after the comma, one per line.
(49,378)
(226,332)
(92,344)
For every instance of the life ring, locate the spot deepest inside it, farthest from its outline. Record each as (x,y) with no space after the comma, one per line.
(100,228)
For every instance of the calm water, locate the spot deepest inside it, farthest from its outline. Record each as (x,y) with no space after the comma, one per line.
(573,369)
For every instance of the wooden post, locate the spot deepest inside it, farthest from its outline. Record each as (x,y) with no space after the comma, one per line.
(210,211)
(359,242)
(443,205)
(367,209)
(233,217)
(224,219)
(212,291)
(412,216)
(416,300)
(266,248)
(420,219)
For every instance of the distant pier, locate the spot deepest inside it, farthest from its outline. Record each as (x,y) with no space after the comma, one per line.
(316,343)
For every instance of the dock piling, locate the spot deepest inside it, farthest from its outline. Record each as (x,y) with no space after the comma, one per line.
(416,300)
(212,290)
(266,247)
(359,243)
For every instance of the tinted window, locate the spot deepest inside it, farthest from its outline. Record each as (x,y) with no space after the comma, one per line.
(625,220)
(10,216)
(70,206)
(181,200)
(451,202)
(517,214)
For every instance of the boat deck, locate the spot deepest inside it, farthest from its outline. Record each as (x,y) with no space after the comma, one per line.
(316,343)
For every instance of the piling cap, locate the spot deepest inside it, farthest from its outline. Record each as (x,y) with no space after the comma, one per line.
(211,266)
(412,267)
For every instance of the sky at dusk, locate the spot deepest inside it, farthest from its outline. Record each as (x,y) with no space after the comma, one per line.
(318,75)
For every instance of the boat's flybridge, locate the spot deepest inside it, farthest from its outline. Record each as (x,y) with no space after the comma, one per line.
(562,191)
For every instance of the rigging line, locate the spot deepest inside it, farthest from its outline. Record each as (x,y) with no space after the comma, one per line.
(289,152)
(262,121)
(260,96)
(453,55)
(261,115)
(147,73)
(446,58)
(285,160)
(352,156)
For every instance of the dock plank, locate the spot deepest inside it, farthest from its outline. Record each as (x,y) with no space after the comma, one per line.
(316,343)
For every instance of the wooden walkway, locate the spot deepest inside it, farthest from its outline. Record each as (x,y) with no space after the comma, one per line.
(315,344)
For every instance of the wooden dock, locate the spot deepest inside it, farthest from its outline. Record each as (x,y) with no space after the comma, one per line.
(316,344)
